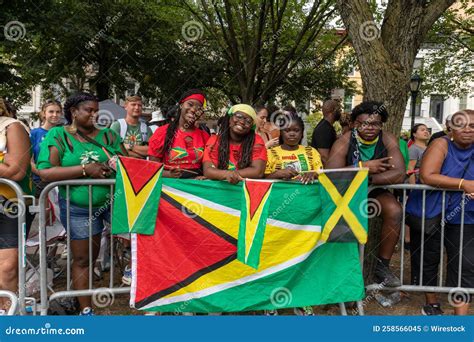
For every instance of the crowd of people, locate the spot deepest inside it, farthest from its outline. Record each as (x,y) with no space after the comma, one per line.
(246,145)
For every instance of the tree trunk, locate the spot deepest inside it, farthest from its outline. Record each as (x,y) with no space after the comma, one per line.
(385,55)
(385,58)
(102,84)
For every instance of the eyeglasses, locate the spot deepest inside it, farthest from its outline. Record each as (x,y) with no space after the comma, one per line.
(375,124)
(243,118)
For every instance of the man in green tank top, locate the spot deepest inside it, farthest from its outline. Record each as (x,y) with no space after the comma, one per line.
(367,145)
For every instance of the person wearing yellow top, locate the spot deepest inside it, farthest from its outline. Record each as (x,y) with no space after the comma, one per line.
(291,160)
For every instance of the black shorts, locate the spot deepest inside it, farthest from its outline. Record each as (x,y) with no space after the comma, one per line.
(432,249)
(377,192)
(9,230)
(453,234)
(432,252)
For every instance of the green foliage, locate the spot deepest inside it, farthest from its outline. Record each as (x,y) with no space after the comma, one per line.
(448,66)
(266,51)
(311,122)
(102,46)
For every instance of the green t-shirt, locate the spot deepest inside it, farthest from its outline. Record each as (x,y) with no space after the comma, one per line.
(133,134)
(404,150)
(79,153)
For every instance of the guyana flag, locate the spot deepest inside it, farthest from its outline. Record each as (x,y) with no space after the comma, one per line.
(137,194)
(219,247)
(253,220)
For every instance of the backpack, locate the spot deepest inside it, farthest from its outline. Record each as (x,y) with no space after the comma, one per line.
(143,130)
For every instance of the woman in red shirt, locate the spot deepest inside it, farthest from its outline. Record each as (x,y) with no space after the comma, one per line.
(237,152)
(180,144)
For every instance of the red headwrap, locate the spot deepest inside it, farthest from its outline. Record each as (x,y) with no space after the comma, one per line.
(198,97)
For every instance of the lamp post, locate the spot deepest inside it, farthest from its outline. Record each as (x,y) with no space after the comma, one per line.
(415,84)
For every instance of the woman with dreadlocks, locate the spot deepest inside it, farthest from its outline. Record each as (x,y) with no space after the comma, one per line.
(81,151)
(237,152)
(180,144)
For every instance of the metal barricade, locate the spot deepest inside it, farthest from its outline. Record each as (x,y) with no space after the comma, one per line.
(420,287)
(45,298)
(18,302)
(91,291)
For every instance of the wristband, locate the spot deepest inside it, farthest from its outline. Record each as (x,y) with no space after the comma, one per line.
(84,174)
(460,183)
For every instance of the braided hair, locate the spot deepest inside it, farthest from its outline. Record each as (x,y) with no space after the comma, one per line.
(224,146)
(173,126)
(74,101)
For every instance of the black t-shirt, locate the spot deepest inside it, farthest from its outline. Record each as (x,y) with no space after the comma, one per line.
(324,135)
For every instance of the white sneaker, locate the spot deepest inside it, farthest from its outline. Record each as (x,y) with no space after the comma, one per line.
(64,253)
(271,312)
(127,276)
(304,311)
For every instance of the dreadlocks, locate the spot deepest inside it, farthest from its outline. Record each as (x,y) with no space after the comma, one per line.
(173,126)
(224,148)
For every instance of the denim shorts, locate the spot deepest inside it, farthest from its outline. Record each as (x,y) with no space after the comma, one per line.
(79,219)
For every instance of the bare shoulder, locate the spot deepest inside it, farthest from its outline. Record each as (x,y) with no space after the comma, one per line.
(389,137)
(438,147)
(345,137)
(390,141)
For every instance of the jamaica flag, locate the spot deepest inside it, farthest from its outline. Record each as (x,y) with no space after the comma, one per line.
(136,197)
(203,258)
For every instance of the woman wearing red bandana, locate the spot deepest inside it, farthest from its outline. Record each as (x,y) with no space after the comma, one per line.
(179,144)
